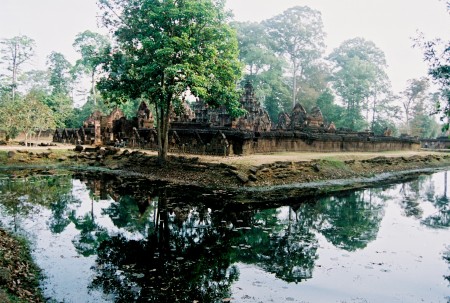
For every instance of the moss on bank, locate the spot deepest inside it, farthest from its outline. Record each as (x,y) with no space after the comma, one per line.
(19,276)
(225,172)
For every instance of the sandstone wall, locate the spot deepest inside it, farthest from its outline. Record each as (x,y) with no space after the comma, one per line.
(267,145)
(246,143)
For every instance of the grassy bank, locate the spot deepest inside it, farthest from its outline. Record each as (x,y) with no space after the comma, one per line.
(226,172)
(19,276)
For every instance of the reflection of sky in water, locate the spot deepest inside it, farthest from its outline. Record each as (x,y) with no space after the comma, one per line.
(399,266)
(403,264)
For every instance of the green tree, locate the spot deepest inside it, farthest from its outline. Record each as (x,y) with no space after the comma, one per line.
(80,114)
(437,54)
(414,94)
(60,70)
(330,110)
(14,53)
(423,123)
(379,105)
(262,67)
(92,47)
(254,51)
(62,108)
(358,69)
(9,121)
(33,116)
(164,48)
(37,80)
(28,114)
(297,34)
(315,82)
(61,81)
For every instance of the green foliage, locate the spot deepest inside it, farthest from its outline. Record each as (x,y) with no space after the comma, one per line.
(380,125)
(277,98)
(262,67)
(130,108)
(330,110)
(314,83)
(61,77)
(165,48)
(37,80)
(62,108)
(334,163)
(41,90)
(34,116)
(423,124)
(297,34)
(254,47)
(358,76)
(92,47)
(79,115)
(15,52)
(8,120)
(414,95)
(437,54)
(26,114)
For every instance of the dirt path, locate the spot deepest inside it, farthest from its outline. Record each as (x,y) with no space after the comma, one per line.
(226,172)
(257,160)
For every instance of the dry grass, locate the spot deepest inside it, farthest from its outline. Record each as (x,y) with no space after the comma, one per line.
(257,160)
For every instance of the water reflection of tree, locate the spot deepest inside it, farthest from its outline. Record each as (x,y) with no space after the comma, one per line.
(130,213)
(285,247)
(350,221)
(441,218)
(183,260)
(411,197)
(21,195)
(446,257)
(91,234)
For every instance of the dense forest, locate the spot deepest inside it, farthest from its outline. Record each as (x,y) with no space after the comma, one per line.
(284,58)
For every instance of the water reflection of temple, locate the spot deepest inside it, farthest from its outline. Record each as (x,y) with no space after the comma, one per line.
(201,129)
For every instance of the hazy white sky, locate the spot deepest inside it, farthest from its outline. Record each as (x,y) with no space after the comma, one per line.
(53,24)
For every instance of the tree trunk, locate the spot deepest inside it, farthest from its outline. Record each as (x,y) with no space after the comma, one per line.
(374,112)
(294,84)
(160,131)
(163,131)
(14,71)
(94,94)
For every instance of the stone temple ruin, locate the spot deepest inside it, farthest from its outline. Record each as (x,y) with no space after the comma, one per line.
(200,129)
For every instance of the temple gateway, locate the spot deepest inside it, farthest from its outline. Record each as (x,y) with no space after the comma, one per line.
(199,129)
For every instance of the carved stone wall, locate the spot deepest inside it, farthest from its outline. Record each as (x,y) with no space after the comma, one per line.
(198,129)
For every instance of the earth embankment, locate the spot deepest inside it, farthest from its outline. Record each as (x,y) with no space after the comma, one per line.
(275,169)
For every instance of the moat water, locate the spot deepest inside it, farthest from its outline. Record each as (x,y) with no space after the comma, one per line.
(106,239)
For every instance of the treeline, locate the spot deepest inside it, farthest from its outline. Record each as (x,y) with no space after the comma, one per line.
(283,57)
(36,100)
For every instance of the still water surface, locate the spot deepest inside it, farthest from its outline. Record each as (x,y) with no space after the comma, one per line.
(104,239)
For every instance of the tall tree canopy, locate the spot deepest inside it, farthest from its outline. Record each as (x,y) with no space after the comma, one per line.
(415,93)
(263,68)
(359,73)
(92,47)
(15,52)
(166,47)
(60,71)
(437,54)
(298,35)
